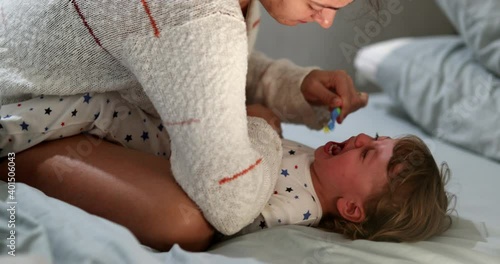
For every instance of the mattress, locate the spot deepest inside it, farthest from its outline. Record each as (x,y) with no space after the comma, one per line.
(51,231)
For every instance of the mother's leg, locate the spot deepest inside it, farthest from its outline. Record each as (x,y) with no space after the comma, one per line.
(128,187)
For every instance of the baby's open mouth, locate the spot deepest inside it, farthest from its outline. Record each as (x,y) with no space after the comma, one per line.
(334,148)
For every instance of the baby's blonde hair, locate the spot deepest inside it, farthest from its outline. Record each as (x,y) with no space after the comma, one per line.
(413,206)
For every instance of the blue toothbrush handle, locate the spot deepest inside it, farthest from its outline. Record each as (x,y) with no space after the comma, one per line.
(333,117)
(335,113)
(331,125)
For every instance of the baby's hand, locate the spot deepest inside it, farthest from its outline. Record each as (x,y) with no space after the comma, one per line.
(258,110)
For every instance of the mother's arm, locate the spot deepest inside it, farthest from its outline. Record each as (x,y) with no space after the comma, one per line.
(194,73)
(129,187)
(276,84)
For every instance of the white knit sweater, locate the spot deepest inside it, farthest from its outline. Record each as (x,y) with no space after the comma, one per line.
(185,58)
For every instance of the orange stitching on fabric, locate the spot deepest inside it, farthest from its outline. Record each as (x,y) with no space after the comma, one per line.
(187,122)
(151,19)
(228,179)
(256,23)
(77,8)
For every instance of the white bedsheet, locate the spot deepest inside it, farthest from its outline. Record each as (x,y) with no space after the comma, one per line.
(473,238)
(60,233)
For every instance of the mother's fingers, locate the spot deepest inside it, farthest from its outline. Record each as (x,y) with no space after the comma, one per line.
(333,89)
(352,100)
(359,100)
(344,87)
(325,96)
(363,97)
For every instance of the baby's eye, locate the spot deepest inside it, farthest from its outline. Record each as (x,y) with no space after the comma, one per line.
(364,153)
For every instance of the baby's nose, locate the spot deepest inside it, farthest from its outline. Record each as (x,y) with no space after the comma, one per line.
(361,140)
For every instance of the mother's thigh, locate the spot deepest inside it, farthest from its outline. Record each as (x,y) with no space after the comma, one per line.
(129,187)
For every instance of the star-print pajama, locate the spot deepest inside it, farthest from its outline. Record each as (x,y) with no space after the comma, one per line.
(294,201)
(106,115)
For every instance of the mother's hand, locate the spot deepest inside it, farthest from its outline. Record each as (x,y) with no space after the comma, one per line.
(258,110)
(333,89)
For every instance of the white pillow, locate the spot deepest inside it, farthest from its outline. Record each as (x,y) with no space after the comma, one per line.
(441,86)
(368,58)
(478,23)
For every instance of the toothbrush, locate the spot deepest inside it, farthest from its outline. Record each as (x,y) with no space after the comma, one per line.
(331,125)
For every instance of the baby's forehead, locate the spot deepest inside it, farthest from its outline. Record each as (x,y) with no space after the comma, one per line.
(385,148)
(396,162)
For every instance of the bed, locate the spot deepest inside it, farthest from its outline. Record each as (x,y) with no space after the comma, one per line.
(50,231)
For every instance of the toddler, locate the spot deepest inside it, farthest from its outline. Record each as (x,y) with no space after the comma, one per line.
(377,188)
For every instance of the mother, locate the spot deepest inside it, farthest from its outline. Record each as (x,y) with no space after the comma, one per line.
(186,61)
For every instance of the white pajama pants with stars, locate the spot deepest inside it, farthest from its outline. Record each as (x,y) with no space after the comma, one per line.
(106,115)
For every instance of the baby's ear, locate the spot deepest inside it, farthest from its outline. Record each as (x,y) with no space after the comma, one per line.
(351,210)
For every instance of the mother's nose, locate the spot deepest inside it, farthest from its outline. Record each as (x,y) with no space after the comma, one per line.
(325,17)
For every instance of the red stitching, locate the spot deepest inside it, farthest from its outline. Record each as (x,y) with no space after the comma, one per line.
(256,23)
(77,8)
(228,179)
(151,19)
(187,122)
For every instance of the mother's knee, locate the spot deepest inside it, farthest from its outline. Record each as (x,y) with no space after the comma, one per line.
(185,226)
